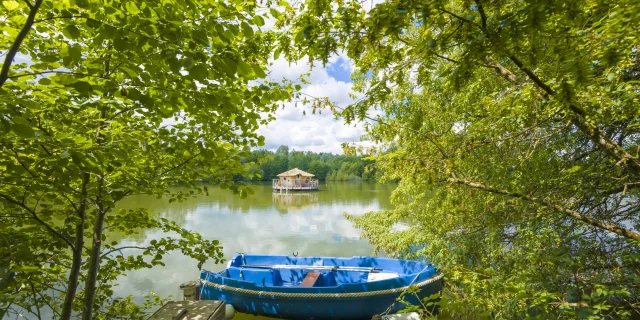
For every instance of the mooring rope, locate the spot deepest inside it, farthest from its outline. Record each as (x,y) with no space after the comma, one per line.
(410,283)
(319,295)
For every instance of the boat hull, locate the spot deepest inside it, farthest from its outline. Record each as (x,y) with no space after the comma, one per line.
(344,301)
(315,308)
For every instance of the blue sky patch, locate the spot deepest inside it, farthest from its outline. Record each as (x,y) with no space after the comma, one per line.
(340,70)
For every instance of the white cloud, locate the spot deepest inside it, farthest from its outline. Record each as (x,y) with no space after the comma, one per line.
(318,132)
(314,132)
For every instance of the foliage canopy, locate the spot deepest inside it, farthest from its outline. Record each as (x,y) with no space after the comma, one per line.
(517,126)
(117,98)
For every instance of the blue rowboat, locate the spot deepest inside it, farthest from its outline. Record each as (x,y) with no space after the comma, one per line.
(318,287)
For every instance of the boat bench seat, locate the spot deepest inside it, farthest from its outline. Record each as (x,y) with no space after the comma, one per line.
(260,277)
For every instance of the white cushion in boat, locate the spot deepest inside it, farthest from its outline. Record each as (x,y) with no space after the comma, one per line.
(402,316)
(381,276)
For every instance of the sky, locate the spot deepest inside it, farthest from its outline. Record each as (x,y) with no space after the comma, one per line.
(313,132)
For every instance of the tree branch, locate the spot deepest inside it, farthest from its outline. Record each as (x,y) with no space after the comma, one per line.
(532,76)
(483,16)
(593,132)
(121,248)
(35,299)
(8,60)
(504,72)
(23,165)
(35,216)
(101,22)
(622,188)
(55,71)
(446,58)
(455,15)
(572,213)
(28,4)
(178,165)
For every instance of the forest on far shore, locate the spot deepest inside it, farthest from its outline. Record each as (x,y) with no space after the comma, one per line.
(325,166)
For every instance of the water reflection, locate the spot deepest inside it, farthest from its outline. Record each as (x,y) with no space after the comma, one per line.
(310,223)
(294,201)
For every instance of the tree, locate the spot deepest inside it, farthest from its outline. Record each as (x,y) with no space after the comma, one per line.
(298,159)
(118,98)
(318,168)
(283,150)
(515,134)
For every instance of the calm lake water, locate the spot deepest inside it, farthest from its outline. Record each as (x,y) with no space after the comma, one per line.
(309,223)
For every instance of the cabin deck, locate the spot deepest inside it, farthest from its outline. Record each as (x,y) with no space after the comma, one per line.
(290,188)
(310,184)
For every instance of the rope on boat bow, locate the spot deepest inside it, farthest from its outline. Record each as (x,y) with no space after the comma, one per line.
(320,295)
(407,287)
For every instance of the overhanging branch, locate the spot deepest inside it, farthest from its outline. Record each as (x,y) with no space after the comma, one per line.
(35,217)
(593,132)
(571,213)
(8,60)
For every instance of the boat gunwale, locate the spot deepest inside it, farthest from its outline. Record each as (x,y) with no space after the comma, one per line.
(300,294)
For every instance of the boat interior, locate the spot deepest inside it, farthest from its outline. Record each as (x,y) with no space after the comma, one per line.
(295,277)
(284,271)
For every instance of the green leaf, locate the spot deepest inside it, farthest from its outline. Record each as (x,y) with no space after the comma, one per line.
(300,36)
(175,65)
(129,72)
(93,23)
(44,81)
(199,72)
(26,269)
(132,8)
(259,71)
(245,69)
(227,145)
(75,53)
(258,21)
(573,169)
(23,131)
(229,66)
(274,13)
(188,63)
(71,32)
(20,120)
(11,4)
(246,29)
(83,87)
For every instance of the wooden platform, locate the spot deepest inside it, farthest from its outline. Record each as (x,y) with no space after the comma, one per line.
(286,185)
(191,310)
(278,188)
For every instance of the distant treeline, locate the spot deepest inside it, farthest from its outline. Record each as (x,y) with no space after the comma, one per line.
(325,166)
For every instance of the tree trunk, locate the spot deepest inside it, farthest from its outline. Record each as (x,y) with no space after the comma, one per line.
(94,258)
(77,253)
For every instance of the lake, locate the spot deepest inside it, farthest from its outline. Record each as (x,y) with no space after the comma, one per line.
(306,223)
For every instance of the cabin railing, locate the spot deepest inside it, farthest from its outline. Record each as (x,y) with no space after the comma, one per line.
(310,183)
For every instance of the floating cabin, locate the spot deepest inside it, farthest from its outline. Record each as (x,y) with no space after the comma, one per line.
(295,179)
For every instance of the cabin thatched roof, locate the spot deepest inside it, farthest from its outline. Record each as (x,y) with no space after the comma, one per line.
(294,172)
